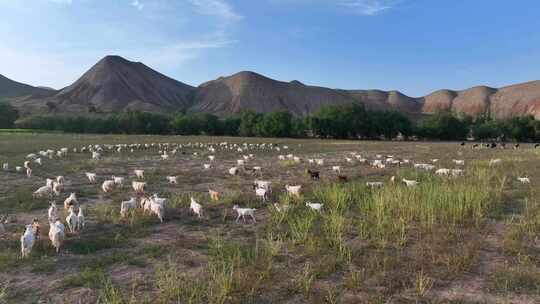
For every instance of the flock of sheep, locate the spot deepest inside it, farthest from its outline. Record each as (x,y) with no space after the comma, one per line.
(155,205)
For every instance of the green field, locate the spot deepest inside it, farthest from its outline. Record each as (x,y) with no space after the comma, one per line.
(465,239)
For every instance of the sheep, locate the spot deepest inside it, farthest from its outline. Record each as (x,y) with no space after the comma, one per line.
(27,241)
(172,179)
(108,186)
(139,174)
(138,186)
(57,234)
(214,195)
(293,190)
(242,212)
(80,220)
(118,180)
(314,206)
(72,220)
(336,169)
(42,192)
(70,201)
(233,171)
(157,209)
(262,193)
(195,207)
(410,183)
(442,172)
(524,180)
(53,212)
(126,206)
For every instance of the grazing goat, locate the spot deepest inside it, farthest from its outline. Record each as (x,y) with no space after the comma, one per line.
(495,162)
(233,171)
(70,201)
(262,193)
(314,206)
(293,190)
(459,162)
(139,174)
(214,195)
(118,180)
(266,185)
(138,186)
(108,186)
(157,209)
(126,206)
(57,234)
(91,177)
(242,212)
(172,179)
(281,208)
(43,191)
(410,183)
(195,207)
(524,180)
(336,169)
(342,178)
(442,172)
(374,184)
(72,220)
(207,166)
(27,241)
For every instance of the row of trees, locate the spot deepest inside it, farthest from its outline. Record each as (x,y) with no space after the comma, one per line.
(349,121)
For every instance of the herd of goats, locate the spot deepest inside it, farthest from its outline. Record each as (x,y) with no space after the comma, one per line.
(155,205)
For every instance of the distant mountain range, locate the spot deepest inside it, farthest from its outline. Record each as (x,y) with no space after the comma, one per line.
(115,84)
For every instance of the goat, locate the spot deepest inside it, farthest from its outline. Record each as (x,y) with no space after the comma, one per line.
(195,207)
(214,195)
(313,174)
(336,169)
(42,192)
(495,162)
(293,190)
(57,188)
(138,186)
(233,171)
(108,186)
(72,220)
(118,180)
(242,212)
(157,209)
(91,177)
(57,234)
(459,162)
(524,180)
(207,166)
(60,179)
(139,174)
(410,183)
(5,166)
(314,206)
(81,221)
(442,171)
(70,201)
(374,184)
(266,185)
(262,193)
(342,178)
(53,212)
(126,206)
(27,241)
(172,179)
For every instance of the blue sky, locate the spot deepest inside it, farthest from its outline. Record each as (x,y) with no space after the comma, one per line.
(415,46)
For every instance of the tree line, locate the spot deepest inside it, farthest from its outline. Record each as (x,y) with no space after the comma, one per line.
(349,121)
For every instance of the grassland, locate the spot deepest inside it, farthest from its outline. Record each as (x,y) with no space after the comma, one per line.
(470,239)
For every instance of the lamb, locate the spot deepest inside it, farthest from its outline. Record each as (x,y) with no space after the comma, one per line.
(53,212)
(314,206)
(172,179)
(293,190)
(195,207)
(214,195)
(242,212)
(119,181)
(262,193)
(127,206)
(524,180)
(138,186)
(72,220)
(139,174)
(70,201)
(108,186)
(80,220)
(410,183)
(27,241)
(336,169)
(57,234)
(42,192)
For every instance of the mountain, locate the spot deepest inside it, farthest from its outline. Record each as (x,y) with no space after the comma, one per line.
(249,90)
(115,84)
(11,89)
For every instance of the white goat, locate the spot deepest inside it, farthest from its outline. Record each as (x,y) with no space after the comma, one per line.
(70,201)
(314,206)
(262,193)
(108,186)
(336,169)
(81,221)
(57,234)
(242,212)
(27,241)
(293,190)
(118,180)
(524,180)
(91,177)
(139,174)
(43,191)
(410,183)
(53,212)
(233,171)
(72,220)
(127,206)
(172,179)
(195,207)
(157,209)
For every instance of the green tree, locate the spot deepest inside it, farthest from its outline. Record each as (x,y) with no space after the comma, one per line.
(8,116)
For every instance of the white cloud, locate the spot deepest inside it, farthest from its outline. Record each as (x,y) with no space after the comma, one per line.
(137,4)
(369,7)
(219,8)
